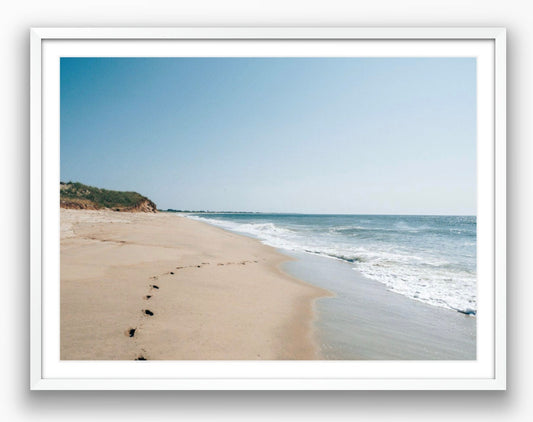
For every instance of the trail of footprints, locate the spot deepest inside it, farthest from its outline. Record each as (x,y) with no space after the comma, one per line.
(130,332)
(146,312)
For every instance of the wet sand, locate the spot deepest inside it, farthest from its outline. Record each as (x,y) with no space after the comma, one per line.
(365,321)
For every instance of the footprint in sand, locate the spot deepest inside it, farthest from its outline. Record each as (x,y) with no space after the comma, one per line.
(153,286)
(131,332)
(148,312)
(141,357)
(147,297)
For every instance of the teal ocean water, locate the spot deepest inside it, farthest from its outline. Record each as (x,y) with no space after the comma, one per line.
(431,259)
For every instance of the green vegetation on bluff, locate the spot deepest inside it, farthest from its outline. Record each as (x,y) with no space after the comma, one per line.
(80,196)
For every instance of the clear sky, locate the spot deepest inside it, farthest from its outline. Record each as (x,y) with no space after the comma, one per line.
(317,135)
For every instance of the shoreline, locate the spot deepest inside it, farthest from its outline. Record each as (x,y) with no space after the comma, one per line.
(364,320)
(326,236)
(138,286)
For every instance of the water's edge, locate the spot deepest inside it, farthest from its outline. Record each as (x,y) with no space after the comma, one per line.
(429,259)
(366,321)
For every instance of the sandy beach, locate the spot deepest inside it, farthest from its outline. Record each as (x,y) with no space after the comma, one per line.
(161,286)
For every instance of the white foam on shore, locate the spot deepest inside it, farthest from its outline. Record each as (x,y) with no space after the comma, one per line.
(423,277)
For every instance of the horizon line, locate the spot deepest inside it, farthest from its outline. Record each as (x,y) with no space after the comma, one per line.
(308,213)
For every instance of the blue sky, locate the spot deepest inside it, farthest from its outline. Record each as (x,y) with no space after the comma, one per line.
(317,135)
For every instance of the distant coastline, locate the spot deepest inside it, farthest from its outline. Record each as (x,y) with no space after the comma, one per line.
(209,212)
(171,210)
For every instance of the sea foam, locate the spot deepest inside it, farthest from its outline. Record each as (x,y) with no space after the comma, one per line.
(426,258)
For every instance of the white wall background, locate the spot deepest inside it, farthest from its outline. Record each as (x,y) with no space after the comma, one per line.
(17,403)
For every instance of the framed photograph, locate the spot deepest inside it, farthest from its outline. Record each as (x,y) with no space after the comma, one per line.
(268,208)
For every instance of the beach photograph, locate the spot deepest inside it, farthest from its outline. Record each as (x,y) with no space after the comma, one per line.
(268,208)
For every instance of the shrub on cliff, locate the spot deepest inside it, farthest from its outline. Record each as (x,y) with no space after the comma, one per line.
(76,193)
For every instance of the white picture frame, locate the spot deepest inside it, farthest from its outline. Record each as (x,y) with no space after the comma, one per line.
(487,372)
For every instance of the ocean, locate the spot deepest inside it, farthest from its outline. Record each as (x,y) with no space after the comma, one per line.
(430,259)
